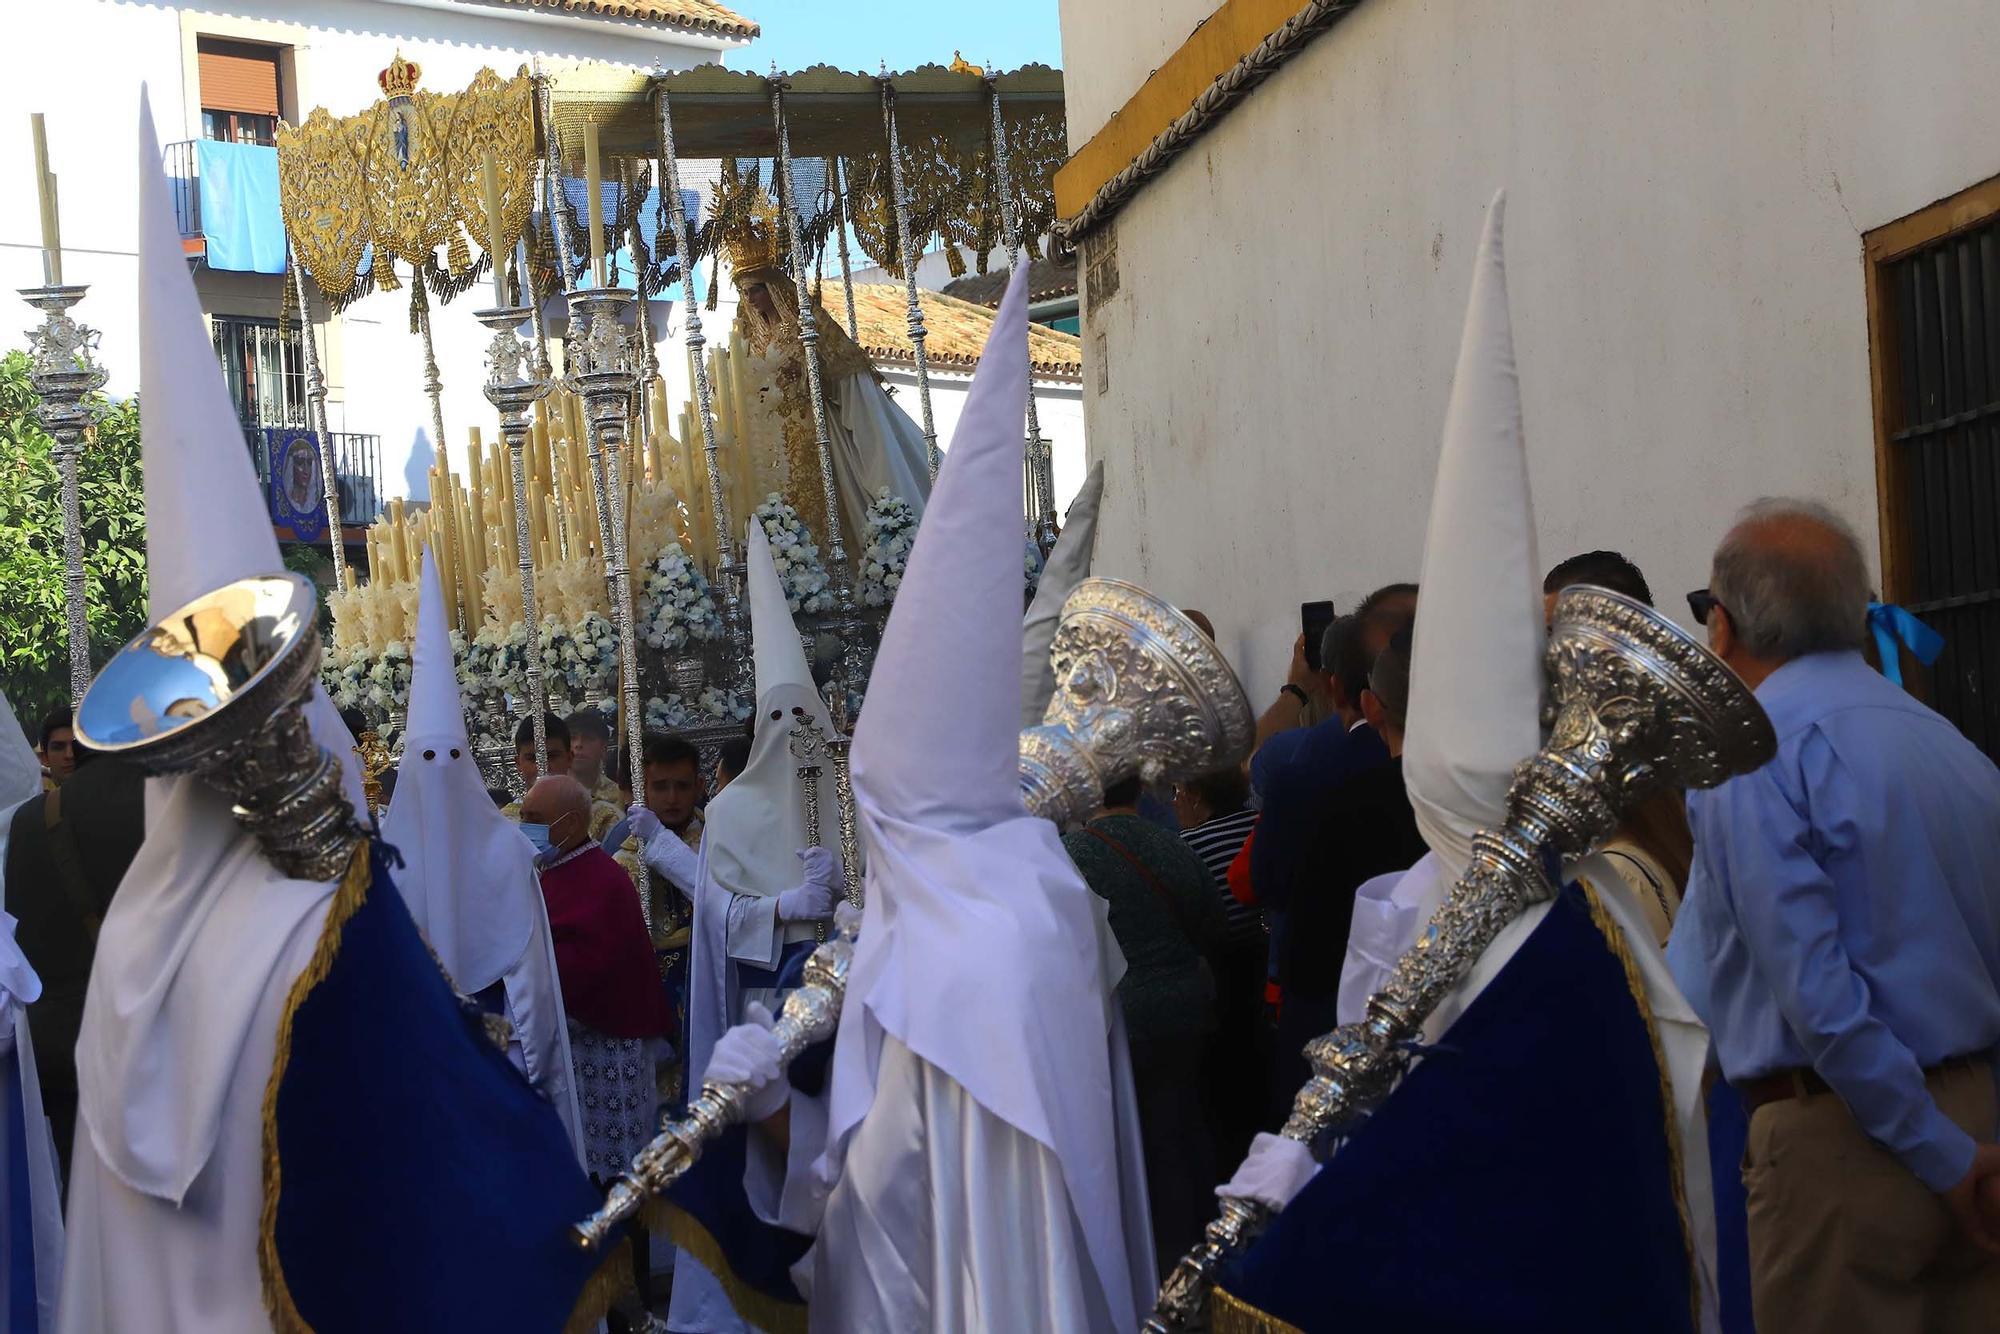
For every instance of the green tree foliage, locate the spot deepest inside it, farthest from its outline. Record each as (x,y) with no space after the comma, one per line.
(34,633)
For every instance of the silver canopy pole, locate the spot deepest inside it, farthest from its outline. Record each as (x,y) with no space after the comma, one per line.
(916,311)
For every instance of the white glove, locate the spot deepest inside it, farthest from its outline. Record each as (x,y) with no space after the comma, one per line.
(814,898)
(1273,1172)
(643,822)
(747,1055)
(846,919)
(663,851)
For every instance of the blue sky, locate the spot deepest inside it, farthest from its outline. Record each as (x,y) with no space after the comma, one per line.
(863,33)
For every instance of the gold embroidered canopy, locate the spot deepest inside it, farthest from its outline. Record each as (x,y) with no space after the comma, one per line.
(944,120)
(404,177)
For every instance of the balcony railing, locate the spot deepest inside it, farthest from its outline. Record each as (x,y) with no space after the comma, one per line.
(357,466)
(184,181)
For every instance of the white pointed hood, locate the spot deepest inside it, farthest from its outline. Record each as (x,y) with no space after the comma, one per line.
(20,769)
(752,831)
(202,919)
(979,947)
(468,872)
(1476,668)
(1068,565)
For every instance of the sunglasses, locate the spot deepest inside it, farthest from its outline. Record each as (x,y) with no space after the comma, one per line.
(1701,602)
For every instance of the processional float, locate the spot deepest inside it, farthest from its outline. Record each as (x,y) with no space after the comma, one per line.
(594,532)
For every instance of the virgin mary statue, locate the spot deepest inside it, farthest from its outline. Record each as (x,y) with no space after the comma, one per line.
(872,444)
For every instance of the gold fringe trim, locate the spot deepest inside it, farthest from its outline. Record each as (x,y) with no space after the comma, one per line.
(1229,1314)
(1621,949)
(760,1309)
(613,1279)
(353,891)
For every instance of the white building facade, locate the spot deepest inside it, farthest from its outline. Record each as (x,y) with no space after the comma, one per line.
(326,53)
(1751,249)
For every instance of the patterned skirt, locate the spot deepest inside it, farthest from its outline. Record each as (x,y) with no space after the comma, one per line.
(616,1092)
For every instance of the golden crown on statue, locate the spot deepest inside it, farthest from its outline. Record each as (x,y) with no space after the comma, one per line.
(754,237)
(400,79)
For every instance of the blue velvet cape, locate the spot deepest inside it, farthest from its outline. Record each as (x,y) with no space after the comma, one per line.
(1521,1178)
(421,1183)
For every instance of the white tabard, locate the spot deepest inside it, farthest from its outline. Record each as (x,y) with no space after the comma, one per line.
(139,1265)
(937,1215)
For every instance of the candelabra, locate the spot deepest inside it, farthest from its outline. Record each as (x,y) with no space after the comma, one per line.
(64,373)
(603,372)
(512,389)
(1636,704)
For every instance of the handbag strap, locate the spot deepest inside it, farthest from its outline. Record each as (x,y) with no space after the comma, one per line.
(1160,891)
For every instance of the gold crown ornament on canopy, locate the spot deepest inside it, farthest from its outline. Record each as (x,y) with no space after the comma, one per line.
(400,79)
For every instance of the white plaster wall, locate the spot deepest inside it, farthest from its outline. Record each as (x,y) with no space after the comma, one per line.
(374,365)
(1688,183)
(1124,41)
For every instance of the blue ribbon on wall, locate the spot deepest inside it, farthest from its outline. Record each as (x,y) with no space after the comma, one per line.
(1896,628)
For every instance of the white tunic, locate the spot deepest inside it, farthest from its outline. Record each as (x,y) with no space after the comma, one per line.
(139,1265)
(939,1215)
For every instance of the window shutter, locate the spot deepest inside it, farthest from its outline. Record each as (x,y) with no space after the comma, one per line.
(236,76)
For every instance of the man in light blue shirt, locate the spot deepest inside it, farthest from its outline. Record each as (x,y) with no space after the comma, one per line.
(1841,937)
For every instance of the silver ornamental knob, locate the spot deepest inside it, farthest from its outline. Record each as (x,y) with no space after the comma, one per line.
(1139,690)
(218,688)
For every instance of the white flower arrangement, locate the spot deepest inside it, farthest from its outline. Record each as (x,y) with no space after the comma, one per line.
(344,673)
(714,705)
(676,606)
(388,681)
(795,556)
(496,663)
(594,642)
(560,688)
(891,529)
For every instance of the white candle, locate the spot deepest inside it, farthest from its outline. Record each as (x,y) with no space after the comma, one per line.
(45,192)
(489,180)
(593,203)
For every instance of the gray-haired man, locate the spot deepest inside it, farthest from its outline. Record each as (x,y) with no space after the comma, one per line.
(1841,937)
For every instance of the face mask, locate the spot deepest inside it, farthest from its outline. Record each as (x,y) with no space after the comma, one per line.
(538,834)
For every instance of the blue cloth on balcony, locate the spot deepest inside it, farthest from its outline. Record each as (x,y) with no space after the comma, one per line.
(239,206)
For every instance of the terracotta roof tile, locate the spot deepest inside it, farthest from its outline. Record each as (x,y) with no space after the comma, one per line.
(701,15)
(955,331)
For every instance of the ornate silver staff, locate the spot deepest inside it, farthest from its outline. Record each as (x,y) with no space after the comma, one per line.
(511,389)
(601,371)
(901,203)
(1138,690)
(806,745)
(838,746)
(1635,704)
(847,622)
(728,572)
(64,372)
(219,689)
